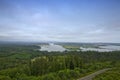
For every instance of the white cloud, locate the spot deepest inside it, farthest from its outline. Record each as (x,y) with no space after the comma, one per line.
(69,24)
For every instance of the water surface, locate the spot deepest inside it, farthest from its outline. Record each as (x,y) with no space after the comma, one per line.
(105,48)
(52,47)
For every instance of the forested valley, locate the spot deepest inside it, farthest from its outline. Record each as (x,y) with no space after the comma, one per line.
(26,62)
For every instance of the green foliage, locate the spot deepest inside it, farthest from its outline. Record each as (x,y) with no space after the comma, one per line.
(24,62)
(113,74)
(21,56)
(48,77)
(5,77)
(74,74)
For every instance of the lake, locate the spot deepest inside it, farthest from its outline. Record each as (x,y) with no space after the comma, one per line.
(52,47)
(105,48)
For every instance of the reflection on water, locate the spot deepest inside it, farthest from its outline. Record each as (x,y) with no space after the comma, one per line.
(106,48)
(52,47)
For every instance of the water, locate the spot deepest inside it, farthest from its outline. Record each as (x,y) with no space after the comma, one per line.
(52,47)
(106,48)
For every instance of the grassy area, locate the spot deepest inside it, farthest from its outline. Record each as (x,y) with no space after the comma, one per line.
(72,47)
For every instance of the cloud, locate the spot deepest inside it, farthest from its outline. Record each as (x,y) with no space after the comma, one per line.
(62,23)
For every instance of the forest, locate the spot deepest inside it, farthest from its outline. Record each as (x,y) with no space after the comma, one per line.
(26,62)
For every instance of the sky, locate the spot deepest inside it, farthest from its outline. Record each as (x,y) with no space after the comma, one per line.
(60,20)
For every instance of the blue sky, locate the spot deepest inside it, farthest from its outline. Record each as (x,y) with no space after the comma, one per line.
(60,20)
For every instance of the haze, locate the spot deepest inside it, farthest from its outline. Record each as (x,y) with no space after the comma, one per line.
(60,20)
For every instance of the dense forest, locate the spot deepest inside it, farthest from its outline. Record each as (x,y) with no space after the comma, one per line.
(26,62)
